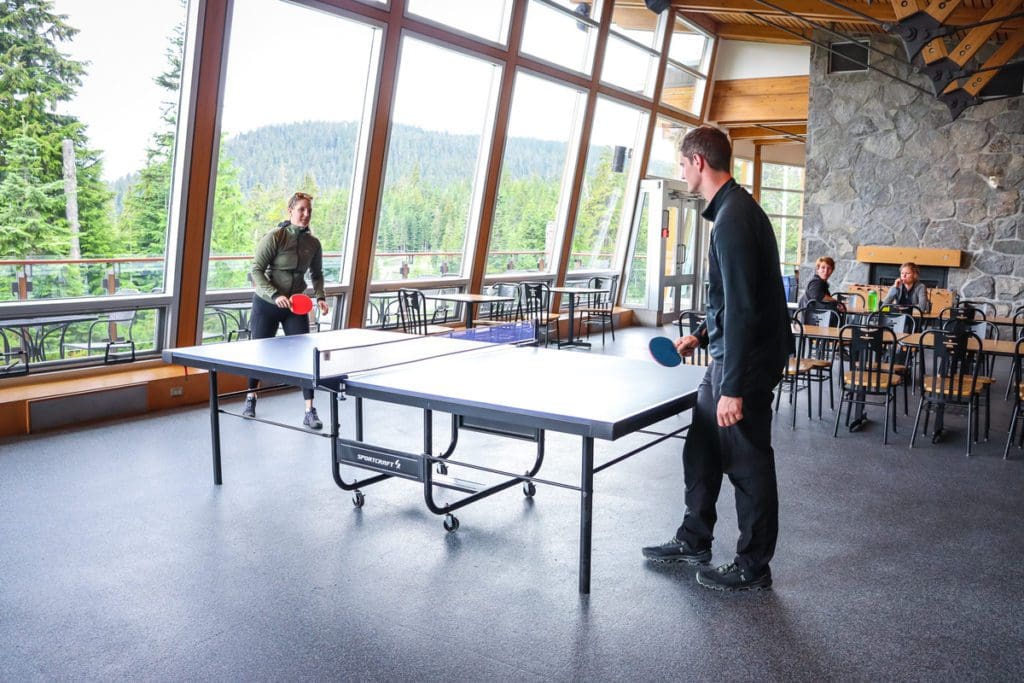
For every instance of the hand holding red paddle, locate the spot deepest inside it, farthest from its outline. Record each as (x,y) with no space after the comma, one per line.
(301,304)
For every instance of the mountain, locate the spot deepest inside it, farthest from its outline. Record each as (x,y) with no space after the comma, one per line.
(324,150)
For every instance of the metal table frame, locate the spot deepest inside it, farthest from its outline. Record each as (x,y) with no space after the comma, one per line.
(386,463)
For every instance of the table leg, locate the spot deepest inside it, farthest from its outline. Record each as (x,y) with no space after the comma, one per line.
(215,428)
(586,511)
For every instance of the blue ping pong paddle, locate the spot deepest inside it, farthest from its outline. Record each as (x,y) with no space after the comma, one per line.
(663,350)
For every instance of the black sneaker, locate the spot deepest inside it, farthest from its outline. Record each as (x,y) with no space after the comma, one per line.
(250,407)
(676,551)
(732,577)
(311,420)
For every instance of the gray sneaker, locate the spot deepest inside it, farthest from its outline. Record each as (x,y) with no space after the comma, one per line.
(732,577)
(312,420)
(250,407)
(677,551)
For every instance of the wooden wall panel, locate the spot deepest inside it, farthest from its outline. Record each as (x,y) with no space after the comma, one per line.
(922,256)
(752,100)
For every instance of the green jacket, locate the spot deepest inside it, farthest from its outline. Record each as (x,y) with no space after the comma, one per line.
(282,258)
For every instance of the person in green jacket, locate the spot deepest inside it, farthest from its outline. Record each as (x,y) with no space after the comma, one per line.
(279,268)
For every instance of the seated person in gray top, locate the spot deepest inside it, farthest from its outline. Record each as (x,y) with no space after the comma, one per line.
(908,290)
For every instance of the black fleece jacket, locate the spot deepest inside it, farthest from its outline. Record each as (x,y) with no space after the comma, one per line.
(747,323)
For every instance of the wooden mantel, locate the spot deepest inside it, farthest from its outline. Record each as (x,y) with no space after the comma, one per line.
(922,256)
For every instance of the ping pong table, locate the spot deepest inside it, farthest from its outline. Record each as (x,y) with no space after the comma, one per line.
(500,389)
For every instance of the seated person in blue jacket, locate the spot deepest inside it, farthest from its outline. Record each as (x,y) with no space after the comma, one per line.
(817,288)
(908,290)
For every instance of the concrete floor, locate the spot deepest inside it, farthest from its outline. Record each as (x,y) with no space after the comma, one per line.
(120,560)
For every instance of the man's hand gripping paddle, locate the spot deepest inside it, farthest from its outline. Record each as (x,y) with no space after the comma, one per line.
(663,350)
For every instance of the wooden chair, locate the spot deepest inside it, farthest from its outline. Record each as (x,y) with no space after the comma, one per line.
(821,351)
(599,308)
(915,313)
(797,369)
(412,314)
(952,379)
(866,370)
(1017,383)
(500,312)
(902,359)
(1016,332)
(535,306)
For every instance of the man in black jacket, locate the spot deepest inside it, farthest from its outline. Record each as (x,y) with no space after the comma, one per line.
(748,335)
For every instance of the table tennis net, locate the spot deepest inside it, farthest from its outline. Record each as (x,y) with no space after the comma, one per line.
(403,350)
(521,332)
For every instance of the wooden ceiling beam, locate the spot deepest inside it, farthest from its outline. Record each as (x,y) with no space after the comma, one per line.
(818,11)
(763,133)
(760,34)
(978,35)
(1000,57)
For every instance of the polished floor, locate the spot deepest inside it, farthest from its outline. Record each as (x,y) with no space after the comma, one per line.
(120,560)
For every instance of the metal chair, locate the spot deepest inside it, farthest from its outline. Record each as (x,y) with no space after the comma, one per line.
(963,311)
(951,380)
(822,350)
(1016,332)
(599,308)
(535,306)
(500,312)
(796,369)
(8,367)
(412,314)
(688,322)
(902,360)
(1017,383)
(915,313)
(866,370)
(106,332)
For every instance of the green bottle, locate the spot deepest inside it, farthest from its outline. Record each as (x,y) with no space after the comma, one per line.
(873,300)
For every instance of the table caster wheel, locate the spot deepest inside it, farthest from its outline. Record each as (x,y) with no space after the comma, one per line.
(358,499)
(451,523)
(441,468)
(529,489)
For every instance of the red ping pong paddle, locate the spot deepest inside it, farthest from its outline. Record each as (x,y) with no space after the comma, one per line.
(301,304)
(664,351)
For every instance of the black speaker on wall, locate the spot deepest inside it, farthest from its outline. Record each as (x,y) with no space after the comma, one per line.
(658,6)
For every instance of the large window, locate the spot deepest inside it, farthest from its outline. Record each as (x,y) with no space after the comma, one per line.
(441,129)
(631,57)
(663,160)
(743,172)
(539,155)
(686,70)
(293,120)
(612,160)
(487,19)
(782,198)
(84,186)
(86,145)
(561,32)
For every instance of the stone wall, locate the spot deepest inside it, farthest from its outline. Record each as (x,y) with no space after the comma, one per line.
(887,165)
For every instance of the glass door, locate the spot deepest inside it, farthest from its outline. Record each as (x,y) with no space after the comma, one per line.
(666,267)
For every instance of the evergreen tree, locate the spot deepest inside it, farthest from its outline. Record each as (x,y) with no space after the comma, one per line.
(34,78)
(27,205)
(143,222)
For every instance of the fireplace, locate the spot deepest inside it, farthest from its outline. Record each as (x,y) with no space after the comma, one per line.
(933,277)
(884,263)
